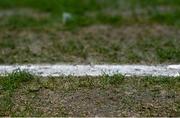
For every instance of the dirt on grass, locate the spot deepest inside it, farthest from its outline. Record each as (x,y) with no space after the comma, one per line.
(102,96)
(116,34)
(142,44)
(100,31)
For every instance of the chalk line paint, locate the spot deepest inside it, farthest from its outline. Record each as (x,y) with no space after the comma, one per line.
(94,70)
(174,67)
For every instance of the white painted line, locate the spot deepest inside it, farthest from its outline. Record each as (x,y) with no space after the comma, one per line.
(94,70)
(174,67)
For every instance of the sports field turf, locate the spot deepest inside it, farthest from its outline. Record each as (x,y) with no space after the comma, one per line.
(22,94)
(89,32)
(99,31)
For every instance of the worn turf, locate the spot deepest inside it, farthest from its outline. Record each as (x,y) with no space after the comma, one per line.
(99,31)
(89,96)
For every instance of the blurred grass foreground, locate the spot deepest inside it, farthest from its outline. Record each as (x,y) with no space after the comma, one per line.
(90,31)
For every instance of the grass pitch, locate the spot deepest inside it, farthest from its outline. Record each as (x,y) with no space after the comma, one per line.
(23,94)
(97,32)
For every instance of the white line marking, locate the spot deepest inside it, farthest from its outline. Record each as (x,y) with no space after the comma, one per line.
(94,70)
(174,67)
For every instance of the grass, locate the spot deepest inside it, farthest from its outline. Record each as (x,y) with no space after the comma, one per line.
(8,85)
(143,48)
(80,10)
(22,94)
(98,32)
(57,7)
(137,32)
(13,80)
(112,80)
